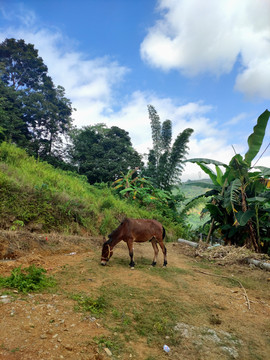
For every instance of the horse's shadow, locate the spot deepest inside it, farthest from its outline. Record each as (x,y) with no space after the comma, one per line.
(141,262)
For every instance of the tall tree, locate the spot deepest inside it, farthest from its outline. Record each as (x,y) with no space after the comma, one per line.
(103,154)
(165,160)
(13,128)
(44,110)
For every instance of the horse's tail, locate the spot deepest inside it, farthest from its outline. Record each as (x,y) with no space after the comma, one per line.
(164,233)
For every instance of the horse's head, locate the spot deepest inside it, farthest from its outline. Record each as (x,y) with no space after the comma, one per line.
(106,252)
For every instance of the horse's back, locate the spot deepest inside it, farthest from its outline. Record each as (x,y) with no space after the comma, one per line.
(141,230)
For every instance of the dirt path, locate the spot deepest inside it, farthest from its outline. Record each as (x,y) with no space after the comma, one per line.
(215,321)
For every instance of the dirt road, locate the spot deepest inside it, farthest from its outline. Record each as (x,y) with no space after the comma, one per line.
(213,318)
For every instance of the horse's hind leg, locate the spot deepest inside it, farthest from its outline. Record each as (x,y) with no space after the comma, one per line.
(154,244)
(164,250)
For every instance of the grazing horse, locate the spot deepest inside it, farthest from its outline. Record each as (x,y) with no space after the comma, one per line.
(138,230)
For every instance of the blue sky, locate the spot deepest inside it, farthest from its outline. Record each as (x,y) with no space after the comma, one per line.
(202,64)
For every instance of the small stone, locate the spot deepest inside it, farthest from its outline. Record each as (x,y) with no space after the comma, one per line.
(5,299)
(68,347)
(108,351)
(43,336)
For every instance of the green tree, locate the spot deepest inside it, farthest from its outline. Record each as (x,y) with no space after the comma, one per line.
(43,109)
(165,160)
(13,128)
(102,153)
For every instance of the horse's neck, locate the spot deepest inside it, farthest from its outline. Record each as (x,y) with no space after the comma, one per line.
(115,241)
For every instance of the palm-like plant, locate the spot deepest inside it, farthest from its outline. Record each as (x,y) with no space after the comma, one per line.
(165,160)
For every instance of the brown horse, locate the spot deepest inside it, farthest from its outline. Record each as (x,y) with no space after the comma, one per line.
(138,230)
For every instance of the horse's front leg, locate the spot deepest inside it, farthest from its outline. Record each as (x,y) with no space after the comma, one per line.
(131,254)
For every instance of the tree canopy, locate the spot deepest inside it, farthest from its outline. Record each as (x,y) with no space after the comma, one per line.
(102,153)
(34,113)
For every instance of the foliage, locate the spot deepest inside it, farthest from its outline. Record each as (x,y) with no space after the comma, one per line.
(165,161)
(33,112)
(141,190)
(240,197)
(36,194)
(27,280)
(102,153)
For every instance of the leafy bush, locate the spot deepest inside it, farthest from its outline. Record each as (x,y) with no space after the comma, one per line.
(27,280)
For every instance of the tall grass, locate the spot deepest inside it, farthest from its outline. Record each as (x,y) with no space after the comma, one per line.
(35,193)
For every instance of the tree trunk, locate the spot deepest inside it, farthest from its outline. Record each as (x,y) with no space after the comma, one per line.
(251,242)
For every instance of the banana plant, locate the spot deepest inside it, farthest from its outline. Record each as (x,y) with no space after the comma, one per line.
(242,193)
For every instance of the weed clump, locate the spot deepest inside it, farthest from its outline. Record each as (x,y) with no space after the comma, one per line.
(27,280)
(88,304)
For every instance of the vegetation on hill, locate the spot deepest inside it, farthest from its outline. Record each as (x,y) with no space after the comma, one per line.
(36,116)
(36,196)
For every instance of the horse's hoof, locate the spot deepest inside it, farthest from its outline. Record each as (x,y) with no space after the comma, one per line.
(132,268)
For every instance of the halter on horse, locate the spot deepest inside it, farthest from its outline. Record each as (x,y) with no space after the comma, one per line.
(136,230)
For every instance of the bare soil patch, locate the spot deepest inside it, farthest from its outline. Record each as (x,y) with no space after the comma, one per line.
(210,320)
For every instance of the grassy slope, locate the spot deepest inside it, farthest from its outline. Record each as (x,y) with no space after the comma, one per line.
(36,196)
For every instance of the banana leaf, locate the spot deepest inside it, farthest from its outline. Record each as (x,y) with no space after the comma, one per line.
(244,217)
(122,192)
(256,138)
(219,175)
(265,171)
(206,161)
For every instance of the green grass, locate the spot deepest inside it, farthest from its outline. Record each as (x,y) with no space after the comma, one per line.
(86,303)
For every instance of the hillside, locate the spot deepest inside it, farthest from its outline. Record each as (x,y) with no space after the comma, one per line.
(35,196)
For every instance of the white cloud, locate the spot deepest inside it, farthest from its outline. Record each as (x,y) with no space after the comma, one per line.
(197,36)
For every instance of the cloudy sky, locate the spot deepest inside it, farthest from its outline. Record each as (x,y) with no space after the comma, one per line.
(202,64)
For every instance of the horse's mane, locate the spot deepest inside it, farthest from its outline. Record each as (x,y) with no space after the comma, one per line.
(115,232)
